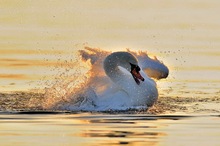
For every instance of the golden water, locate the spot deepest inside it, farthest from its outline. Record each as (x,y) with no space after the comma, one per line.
(104,129)
(184,35)
(40,39)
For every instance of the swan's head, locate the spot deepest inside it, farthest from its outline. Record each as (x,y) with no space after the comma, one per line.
(135,71)
(129,62)
(125,60)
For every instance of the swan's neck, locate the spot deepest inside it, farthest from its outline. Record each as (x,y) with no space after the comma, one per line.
(111,66)
(113,71)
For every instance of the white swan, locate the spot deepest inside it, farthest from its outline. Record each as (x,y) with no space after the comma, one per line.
(134,87)
(126,85)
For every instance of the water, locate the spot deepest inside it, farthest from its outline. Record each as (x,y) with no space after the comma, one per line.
(67,84)
(40,63)
(108,129)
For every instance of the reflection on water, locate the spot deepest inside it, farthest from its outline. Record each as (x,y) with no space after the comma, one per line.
(104,129)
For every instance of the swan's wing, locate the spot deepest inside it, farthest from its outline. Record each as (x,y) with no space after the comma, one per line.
(152,67)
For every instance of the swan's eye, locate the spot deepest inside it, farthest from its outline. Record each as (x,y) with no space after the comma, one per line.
(137,69)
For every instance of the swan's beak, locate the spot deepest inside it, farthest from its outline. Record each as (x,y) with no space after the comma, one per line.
(137,76)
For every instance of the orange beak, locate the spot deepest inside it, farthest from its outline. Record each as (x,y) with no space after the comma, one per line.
(137,76)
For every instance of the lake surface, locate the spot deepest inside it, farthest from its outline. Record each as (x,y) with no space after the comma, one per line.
(39,44)
(90,129)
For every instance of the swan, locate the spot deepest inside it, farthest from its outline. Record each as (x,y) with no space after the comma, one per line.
(117,81)
(134,87)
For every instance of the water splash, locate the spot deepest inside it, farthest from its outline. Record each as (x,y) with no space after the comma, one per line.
(80,83)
